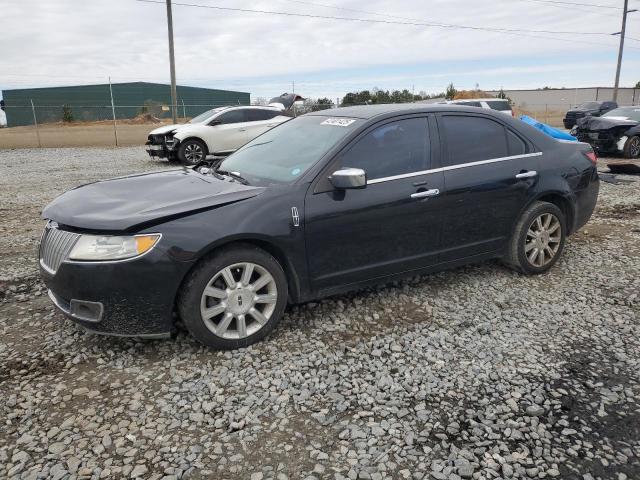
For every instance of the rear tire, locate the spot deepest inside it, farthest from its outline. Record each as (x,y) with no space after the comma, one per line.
(632,147)
(234,297)
(538,239)
(192,151)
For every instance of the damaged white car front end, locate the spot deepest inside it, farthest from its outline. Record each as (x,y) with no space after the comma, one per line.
(217,132)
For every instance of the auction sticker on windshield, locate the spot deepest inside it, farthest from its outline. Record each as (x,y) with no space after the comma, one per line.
(338,122)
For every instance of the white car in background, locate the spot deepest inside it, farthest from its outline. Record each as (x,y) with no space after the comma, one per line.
(500,104)
(217,132)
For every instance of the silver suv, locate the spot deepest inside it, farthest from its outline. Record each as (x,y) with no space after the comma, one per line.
(499,104)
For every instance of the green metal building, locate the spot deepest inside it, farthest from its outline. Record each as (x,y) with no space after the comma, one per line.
(93,102)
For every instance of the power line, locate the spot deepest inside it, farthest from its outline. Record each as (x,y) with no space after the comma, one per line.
(509,31)
(368,12)
(411,22)
(576,4)
(573,9)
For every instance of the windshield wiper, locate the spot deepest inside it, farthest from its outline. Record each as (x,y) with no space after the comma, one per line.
(234,175)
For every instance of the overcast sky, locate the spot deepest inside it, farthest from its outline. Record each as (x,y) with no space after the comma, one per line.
(67,42)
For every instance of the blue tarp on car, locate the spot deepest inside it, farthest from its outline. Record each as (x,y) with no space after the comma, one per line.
(552,132)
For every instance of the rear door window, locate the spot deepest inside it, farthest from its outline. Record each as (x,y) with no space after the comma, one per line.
(233,116)
(258,114)
(472,139)
(391,149)
(517,146)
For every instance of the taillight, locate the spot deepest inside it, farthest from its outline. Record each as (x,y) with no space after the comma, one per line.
(591,156)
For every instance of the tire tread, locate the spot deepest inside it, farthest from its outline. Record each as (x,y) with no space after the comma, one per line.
(512,257)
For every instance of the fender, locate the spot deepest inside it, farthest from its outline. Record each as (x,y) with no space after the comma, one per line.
(563,199)
(633,131)
(273,248)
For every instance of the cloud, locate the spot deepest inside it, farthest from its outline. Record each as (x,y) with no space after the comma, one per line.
(75,42)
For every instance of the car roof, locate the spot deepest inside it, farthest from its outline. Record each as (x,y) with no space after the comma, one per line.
(366,112)
(480,100)
(262,107)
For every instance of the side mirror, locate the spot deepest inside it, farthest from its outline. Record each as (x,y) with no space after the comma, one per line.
(347,178)
(213,123)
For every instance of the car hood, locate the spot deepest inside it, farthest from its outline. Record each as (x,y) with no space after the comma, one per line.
(604,123)
(167,128)
(133,202)
(285,101)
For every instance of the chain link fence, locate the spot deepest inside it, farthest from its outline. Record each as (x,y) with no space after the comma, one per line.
(71,124)
(61,125)
(68,124)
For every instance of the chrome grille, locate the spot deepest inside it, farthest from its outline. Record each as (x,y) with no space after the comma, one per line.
(55,247)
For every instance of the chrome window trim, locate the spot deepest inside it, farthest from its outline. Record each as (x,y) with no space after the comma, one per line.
(452,167)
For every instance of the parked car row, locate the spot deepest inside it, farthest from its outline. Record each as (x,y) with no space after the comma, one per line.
(321,204)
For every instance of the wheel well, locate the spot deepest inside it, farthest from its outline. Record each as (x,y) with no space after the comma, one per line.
(289,271)
(563,204)
(195,138)
(293,283)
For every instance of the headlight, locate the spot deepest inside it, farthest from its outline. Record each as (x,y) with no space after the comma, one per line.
(107,247)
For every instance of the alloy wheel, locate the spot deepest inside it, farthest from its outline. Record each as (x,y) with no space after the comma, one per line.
(634,147)
(238,300)
(193,153)
(543,240)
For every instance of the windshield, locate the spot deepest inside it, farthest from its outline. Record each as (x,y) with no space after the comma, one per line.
(588,106)
(284,153)
(206,115)
(632,113)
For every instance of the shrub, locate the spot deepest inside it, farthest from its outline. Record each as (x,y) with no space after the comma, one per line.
(67,114)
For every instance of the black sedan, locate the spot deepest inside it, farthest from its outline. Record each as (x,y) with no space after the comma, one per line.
(324,203)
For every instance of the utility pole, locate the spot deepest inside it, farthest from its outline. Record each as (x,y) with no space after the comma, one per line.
(624,25)
(172,65)
(113,112)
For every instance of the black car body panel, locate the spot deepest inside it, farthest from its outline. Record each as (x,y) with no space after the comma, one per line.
(586,110)
(327,240)
(126,203)
(604,133)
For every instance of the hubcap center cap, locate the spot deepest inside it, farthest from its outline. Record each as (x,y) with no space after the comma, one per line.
(240,301)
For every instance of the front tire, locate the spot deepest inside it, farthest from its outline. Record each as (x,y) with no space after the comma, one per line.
(233,298)
(632,147)
(192,151)
(538,239)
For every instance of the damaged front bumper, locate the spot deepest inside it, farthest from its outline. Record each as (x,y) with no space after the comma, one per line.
(168,148)
(602,141)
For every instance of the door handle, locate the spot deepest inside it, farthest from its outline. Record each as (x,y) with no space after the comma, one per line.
(271,124)
(529,174)
(426,194)
(242,129)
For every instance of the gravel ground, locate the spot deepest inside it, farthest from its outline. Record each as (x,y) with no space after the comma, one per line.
(473,373)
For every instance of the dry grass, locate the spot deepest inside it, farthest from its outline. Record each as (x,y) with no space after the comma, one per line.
(85,134)
(550,117)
